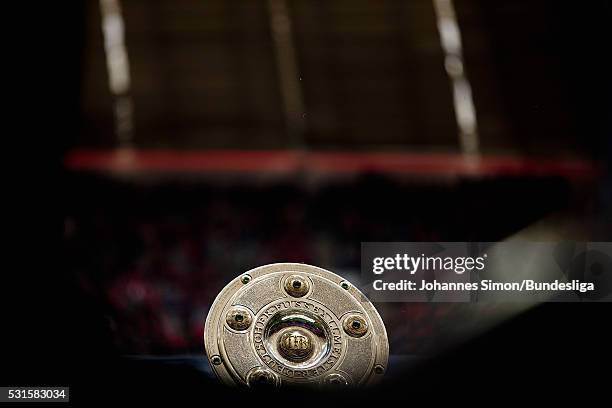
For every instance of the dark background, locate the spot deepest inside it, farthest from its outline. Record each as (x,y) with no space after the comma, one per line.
(204,78)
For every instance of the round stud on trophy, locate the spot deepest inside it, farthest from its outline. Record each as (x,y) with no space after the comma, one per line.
(290,324)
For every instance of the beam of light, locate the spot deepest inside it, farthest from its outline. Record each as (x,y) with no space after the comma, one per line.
(288,72)
(118,67)
(465,112)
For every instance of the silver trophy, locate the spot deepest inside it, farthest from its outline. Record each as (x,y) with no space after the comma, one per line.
(295,324)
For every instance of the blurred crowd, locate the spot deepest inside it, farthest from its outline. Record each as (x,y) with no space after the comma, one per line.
(155,255)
